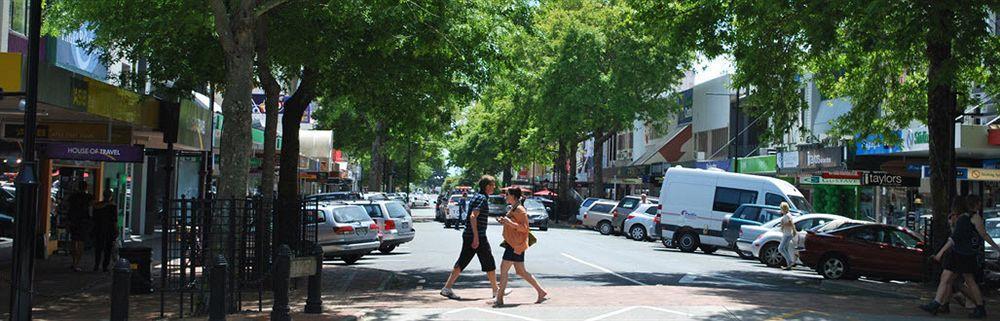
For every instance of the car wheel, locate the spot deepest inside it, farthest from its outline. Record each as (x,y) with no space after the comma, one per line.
(708,249)
(351,259)
(544,227)
(688,242)
(638,233)
(387,249)
(834,267)
(447,225)
(605,228)
(770,255)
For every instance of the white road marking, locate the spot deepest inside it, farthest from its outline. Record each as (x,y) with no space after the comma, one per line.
(492,312)
(730,281)
(614,313)
(602,269)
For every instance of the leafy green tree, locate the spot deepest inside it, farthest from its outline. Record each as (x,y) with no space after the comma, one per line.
(897,61)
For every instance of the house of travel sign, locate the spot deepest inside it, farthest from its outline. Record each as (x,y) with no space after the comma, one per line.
(95,152)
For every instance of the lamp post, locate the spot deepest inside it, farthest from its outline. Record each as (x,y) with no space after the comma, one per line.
(21,286)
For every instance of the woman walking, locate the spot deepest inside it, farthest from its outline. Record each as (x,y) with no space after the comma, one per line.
(515,236)
(958,257)
(788,233)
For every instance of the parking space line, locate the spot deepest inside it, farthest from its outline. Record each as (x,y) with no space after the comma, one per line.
(617,312)
(602,269)
(491,312)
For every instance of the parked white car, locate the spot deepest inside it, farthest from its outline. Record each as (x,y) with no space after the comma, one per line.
(394,222)
(598,216)
(641,224)
(585,205)
(750,233)
(696,202)
(765,247)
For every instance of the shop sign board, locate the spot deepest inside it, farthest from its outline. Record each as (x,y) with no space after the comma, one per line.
(77,132)
(887,179)
(723,164)
(788,160)
(821,180)
(983,174)
(911,139)
(758,164)
(822,158)
(10,79)
(95,152)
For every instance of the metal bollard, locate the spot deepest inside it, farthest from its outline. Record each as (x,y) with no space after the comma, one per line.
(282,264)
(120,287)
(314,303)
(217,290)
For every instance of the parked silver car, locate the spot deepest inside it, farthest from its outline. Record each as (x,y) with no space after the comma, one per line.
(393,221)
(498,205)
(344,231)
(537,215)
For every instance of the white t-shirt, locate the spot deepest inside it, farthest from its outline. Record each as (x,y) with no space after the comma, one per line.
(787,225)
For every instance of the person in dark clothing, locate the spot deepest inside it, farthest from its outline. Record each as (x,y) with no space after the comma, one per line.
(958,258)
(105,232)
(80,223)
(463,210)
(474,241)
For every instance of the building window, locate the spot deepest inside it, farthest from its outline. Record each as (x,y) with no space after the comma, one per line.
(19,16)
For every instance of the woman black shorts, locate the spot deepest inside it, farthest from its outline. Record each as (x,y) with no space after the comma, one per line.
(509,255)
(959,263)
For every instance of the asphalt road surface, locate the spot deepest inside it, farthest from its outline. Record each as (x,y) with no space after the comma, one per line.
(569,258)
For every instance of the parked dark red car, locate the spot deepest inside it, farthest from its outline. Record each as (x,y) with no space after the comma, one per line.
(872,250)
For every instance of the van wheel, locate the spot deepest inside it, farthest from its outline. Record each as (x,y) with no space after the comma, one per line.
(638,233)
(708,249)
(605,228)
(688,242)
(387,249)
(351,259)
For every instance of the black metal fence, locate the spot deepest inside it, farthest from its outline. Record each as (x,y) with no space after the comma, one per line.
(195,231)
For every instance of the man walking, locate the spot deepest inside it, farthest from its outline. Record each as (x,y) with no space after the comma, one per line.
(474,241)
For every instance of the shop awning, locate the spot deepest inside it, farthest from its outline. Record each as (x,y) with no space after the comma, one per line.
(672,148)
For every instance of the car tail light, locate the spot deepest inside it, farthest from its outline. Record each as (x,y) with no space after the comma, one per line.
(659,207)
(390,225)
(344,230)
(656,219)
(630,217)
(373,226)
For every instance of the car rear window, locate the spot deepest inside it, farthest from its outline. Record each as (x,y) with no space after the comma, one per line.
(652,210)
(396,210)
(374,210)
(312,216)
(587,202)
(602,207)
(629,203)
(349,214)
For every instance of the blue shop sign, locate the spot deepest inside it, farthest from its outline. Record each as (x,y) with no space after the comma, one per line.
(871,146)
(960,172)
(723,164)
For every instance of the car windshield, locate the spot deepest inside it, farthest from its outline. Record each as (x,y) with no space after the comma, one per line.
(534,205)
(587,202)
(455,198)
(349,214)
(801,204)
(993,229)
(396,210)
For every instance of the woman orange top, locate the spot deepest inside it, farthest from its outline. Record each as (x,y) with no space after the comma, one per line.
(516,232)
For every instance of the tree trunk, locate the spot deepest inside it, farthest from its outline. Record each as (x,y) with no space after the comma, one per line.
(597,182)
(272,92)
(941,111)
(289,220)
(562,186)
(377,170)
(571,179)
(237,41)
(507,174)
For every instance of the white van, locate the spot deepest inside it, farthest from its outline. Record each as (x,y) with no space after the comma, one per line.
(694,202)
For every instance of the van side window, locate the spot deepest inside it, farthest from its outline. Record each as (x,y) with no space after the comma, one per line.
(773,199)
(729,199)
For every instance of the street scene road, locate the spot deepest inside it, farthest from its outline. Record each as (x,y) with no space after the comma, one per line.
(595,277)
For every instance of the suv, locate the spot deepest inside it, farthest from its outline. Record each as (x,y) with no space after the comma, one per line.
(749,215)
(344,231)
(598,216)
(624,208)
(394,223)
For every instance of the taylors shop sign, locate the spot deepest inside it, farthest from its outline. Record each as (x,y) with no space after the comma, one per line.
(95,152)
(887,179)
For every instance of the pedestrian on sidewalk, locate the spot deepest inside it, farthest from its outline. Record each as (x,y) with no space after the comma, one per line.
(958,257)
(80,222)
(516,232)
(788,233)
(463,209)
(474,241)
(105,231)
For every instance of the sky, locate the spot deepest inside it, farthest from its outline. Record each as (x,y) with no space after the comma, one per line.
(708,69)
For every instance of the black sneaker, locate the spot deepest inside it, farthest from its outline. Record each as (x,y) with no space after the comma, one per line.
(931,307)
(978,313)
(945,308)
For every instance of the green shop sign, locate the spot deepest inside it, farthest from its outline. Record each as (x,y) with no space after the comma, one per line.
(757,164)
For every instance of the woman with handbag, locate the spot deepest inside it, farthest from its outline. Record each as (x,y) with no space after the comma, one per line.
(516,240)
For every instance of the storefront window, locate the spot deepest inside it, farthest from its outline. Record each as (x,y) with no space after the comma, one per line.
(19,16)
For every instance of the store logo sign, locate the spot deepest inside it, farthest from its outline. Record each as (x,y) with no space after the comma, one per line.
(881,179)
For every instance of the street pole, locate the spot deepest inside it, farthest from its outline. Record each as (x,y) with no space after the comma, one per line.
(409,155)
(736,139)
(211,141)
(21,285)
